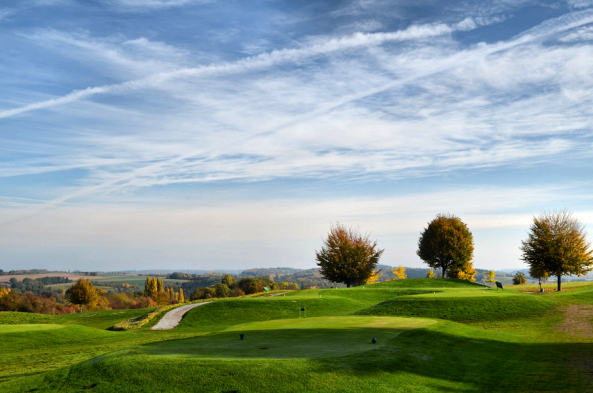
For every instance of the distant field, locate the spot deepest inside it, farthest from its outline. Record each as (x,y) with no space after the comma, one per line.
(134,280)
(553,285)
(71,276)
(107,278)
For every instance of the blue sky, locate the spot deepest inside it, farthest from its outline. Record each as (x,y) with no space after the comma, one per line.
(229,134)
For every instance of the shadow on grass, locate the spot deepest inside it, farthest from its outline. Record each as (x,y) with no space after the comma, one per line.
(446,357)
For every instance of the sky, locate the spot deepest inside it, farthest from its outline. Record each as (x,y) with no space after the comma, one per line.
(205,134)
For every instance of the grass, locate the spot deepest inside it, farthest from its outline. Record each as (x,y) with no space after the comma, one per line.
(473,307)
(507,342)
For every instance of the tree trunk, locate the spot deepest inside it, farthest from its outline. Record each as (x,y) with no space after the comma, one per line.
(347,285)
(559,283)
(444,270)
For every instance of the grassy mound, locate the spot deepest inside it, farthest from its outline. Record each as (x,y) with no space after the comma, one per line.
(21,318)
(490,306)
(427,283)
(226,313)
(291,338)
(103,319)
(445,356)
(28,328)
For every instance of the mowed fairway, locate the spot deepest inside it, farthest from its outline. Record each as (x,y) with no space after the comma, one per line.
(292,338)
(433,336)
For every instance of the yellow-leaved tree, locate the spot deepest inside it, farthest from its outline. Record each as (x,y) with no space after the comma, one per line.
(467,272)
(181,298)
(374,277)
(430,274)
(83,293)
(490,277)
(400,272)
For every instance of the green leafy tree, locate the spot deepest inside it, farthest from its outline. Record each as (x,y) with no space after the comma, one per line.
(557,246)
(228,280)
(222,290)
(347,256)
(447,244)
(83,293)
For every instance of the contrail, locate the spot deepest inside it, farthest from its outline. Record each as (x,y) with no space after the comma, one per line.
(247,64)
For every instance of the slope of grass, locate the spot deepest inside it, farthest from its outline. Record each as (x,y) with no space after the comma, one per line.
(507,343)
(444,356)
(468,307)
(427,283)
(291,338)
(102,319)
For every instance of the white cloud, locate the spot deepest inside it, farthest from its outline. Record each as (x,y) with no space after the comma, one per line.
(580,3)
(6,13)
(136,5)
(442,109)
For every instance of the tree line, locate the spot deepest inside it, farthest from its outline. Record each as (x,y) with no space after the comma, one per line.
(556,246)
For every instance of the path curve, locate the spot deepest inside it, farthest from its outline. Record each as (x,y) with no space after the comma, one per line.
(173,317)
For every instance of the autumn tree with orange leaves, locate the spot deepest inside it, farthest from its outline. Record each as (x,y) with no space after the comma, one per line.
(347,256)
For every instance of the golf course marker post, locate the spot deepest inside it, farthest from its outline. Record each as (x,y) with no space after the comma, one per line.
(303,312)
(242,336)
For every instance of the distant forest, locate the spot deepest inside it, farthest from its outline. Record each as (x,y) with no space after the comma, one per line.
(309,278)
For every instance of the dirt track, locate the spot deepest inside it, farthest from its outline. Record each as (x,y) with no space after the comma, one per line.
(173,317)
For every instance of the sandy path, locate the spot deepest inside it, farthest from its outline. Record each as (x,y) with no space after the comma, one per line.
(578,321)
(173,317)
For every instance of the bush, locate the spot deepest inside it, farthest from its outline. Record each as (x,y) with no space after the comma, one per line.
(222,290)
(519,279)
(14,301)
(253,285)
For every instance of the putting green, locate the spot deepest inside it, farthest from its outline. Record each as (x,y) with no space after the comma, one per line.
(28,328)
(291,338)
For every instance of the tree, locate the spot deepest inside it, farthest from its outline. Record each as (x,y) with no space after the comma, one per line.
(347,256)
(447,244)
(399,272)
(556,246)
(222,290)
(519,278)
(150,287)
(83,292)
(465,272)
(228,280)
(490,277)
(374,277)
(181,298)
(430,274)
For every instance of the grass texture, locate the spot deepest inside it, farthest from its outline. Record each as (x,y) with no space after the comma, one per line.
(432,336)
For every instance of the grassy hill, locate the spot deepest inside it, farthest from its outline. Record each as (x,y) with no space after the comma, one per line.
(432,336)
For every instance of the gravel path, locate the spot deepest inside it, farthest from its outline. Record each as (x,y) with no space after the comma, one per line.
(173,317)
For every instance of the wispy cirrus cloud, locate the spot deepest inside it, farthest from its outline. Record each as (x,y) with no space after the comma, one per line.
(252,63)
(173,135)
